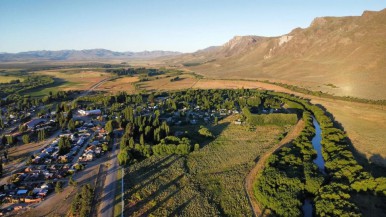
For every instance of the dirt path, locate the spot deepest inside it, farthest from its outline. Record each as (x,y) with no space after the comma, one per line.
(252,176)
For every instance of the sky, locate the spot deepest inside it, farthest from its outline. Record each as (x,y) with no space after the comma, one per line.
(173,25)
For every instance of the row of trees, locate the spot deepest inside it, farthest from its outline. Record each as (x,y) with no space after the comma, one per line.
(82,203)
(28,83)
(345,176)
(290,175)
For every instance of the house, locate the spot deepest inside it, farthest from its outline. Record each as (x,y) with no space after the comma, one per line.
(90,155)
(32,200)
(34,122)
(193,122)
(21,192)
(98,150)
(238,122)
(80,141)
(90,112)
(223,112)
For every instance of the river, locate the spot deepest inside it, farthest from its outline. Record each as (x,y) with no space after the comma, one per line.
(319,161)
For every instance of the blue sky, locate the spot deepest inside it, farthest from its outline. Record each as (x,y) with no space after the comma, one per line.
(137,25)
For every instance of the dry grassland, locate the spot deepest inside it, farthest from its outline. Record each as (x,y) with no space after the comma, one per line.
(77,80)
(119,84)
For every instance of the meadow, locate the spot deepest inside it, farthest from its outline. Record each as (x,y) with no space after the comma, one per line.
(7,79)
(207,182)
(119,84)
(69,80)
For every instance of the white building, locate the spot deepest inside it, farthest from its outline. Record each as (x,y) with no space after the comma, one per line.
(90,112)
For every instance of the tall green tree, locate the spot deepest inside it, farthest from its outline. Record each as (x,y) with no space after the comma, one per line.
(109,126)
(71,125)
(25,139)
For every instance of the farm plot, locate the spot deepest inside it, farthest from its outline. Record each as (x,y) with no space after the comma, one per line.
(70,80)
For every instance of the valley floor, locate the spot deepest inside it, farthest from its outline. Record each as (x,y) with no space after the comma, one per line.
(208,182)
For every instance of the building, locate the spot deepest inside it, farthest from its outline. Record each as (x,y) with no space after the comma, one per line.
(90,112)
(90,155)
(33,123)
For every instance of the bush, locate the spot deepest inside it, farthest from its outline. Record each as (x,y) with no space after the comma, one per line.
(203,131)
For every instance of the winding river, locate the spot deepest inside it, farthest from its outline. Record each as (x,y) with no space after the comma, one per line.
(319,161)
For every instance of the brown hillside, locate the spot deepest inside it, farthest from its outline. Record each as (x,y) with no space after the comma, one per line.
(348,52)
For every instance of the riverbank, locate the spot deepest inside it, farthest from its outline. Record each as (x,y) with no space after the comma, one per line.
(253,175)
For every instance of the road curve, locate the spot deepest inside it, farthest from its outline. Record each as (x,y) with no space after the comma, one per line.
(252,176)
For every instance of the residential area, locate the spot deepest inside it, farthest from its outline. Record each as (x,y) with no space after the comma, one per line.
(50,166)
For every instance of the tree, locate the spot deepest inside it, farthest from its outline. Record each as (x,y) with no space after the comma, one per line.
(71,125)
(22,128)
(142,140)
(72,182)
(109,126)
(196,147)
(41,134)
(1,166)
(64,145)
(123,157)
(58,187)
(1,123)
(203,131)
(3,140)
(25,139)
(105,147)
(10,140)
(215,120)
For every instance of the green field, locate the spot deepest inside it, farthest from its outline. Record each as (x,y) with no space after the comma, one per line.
(208,182)
(6,79)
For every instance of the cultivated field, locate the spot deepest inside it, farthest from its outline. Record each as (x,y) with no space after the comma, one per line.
(70,80)
(208,182)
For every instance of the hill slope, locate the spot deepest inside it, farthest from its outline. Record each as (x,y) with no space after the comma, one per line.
(348,53)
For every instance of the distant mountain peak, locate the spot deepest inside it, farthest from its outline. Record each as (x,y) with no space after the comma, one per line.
(86,54)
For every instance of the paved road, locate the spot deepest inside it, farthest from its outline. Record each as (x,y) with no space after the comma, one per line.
(106,207)
(85,93)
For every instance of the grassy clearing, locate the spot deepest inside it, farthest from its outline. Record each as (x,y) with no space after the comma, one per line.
(208,182)
(7,79)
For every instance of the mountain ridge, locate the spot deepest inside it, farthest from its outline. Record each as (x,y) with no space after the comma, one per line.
(348,52)
(86,54)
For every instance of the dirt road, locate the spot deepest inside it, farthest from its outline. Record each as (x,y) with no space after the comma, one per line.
(253,175)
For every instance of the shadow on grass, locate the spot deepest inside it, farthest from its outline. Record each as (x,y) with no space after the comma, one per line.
(57,82)
(370,164)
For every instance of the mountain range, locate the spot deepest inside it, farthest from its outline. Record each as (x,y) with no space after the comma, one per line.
(339,55)
(75,55)
(342,55)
